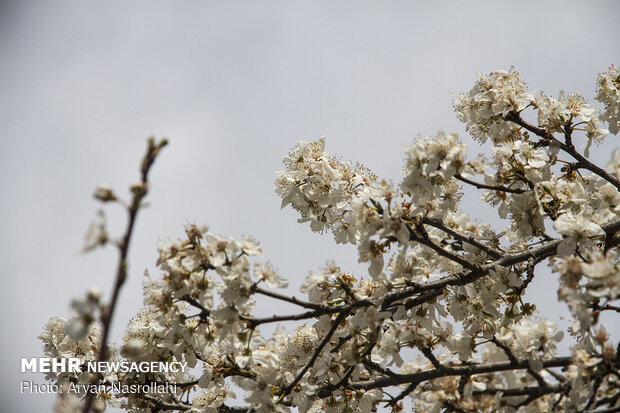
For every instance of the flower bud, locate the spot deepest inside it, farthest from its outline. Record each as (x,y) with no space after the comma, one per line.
(104,193)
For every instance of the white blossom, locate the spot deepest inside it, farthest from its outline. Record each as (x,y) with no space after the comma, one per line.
(442,303)
(608,87)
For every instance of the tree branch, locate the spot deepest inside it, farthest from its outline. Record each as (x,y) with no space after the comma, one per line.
(582,161)
(436,287)
(433,222)
(511,357)
(491,187)
(139,192)
(535,392)
(160,405)
(286,298)
(445,371)
(315,355)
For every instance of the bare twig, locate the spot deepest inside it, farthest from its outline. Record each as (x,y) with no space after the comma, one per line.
(403,394)
(325,391)
(428,353)
(139,192)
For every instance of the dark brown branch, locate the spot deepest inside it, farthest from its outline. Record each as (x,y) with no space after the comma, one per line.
(376,367)
(254,322)
(557,376)
(428,353)
(326,391)
(607,307)
(609,400)
(610,410)
(582,161)
(534,392)
(426,241)
(160,405)
(180,384)
(403,394)
(511,357)
(505,349)
(462,383)
(431,289)
(315,355)
(341,342)
(531,266)
(286,298)
(204,312)
(436,287)
(491,187)
(139,192)
(469,240)
(597,384)
(445,371)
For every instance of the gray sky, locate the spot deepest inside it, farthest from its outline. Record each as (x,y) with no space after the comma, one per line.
(234,86)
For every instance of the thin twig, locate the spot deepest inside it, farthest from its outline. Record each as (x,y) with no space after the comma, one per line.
(511,357)
(610,410)
(402,395)
(446,371)
(491,187)
(467,239)
(325,391)
(315,355)
(431,289)
(582,161)
(160,405)
(374,366)
(428,353)
(286,298)
(139,192)
(425,240)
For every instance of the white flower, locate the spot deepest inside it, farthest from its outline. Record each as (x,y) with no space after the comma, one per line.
(78,327)
(608,88)
(251,246)
(267,273)
(320,187)
(463,345)
(430,166)
(492,97)
(532,339)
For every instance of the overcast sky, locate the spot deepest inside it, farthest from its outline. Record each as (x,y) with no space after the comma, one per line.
(234,87)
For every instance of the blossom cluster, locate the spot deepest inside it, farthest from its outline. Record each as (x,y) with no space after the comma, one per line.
(440,318)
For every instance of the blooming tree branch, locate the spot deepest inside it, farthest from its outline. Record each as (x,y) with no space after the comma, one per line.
(440,317)
(139,191)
